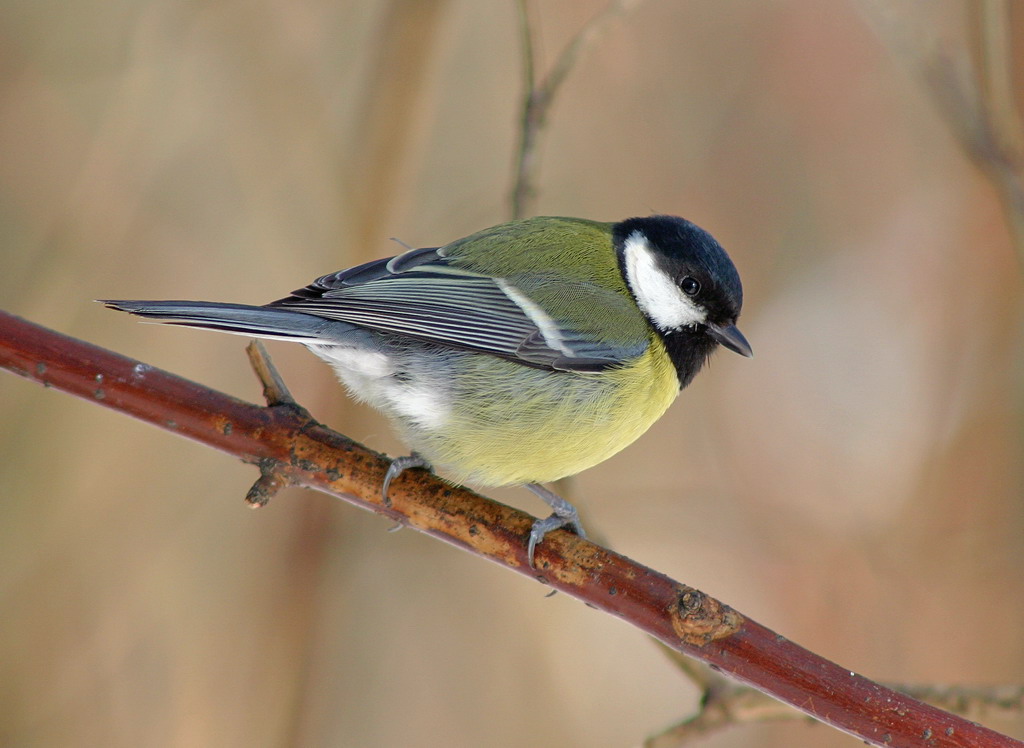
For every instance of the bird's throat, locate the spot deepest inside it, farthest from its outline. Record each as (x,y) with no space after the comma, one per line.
(688,348)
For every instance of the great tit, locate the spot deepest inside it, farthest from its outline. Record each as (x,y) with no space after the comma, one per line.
(518,355)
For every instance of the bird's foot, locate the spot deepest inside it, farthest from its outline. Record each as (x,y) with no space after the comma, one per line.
(564,515)
(398,466)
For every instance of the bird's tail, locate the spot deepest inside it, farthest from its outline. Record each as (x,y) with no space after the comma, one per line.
(254,321)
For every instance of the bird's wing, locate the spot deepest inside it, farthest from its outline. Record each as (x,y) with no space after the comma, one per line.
(420,294)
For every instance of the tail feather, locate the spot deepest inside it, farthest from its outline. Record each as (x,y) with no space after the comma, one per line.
(241,319)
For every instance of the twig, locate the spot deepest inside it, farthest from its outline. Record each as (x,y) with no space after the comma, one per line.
(726,704)
(997,73)
(974,93)
(272,473)
(275,391)
(1003,156)
(539,96)
(272,479)
(536,103)
(310,455)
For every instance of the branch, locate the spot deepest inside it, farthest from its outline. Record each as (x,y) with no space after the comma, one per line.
(292,448)
(539,96)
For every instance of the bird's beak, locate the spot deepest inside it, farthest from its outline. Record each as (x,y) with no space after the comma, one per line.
(731,338)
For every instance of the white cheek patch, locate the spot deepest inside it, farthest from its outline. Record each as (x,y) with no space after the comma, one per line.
(656,293)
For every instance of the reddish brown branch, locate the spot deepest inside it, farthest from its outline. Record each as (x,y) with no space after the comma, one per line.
(291,447)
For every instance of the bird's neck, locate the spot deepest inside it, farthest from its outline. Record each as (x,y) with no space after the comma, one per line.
(688,348)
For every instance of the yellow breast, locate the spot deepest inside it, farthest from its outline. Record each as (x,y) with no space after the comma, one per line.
(510,424)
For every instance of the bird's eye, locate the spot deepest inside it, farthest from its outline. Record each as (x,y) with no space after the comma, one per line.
(690,286)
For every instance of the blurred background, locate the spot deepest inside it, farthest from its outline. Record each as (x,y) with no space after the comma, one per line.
(857,486)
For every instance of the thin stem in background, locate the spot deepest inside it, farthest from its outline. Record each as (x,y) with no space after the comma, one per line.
(727,704)
(535,108)
(974,92)
(540,95)
(1002,156)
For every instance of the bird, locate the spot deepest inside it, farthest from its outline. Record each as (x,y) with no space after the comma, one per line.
(518,355)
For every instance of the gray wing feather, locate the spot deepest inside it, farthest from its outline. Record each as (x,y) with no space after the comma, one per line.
(418,294)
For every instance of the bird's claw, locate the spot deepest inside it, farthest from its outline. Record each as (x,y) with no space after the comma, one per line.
(398,466)
(555,522)
(565,515)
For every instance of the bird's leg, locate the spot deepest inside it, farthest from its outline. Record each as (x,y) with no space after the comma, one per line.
(398,466)
(564,515)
